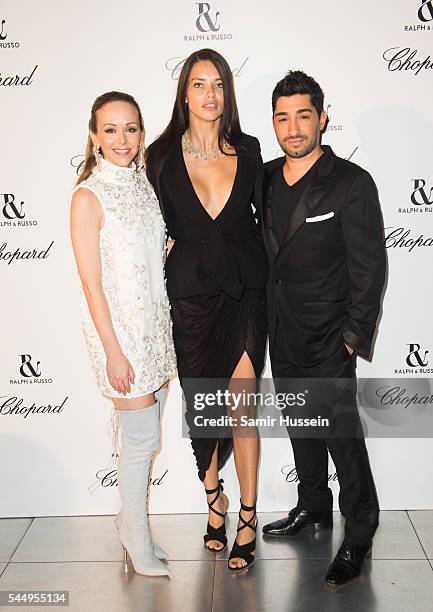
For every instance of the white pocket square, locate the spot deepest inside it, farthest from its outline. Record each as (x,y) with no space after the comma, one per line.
(319,218)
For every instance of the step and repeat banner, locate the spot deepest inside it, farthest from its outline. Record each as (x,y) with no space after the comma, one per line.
(375,64)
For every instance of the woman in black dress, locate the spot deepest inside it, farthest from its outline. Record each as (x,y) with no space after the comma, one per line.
(205,171)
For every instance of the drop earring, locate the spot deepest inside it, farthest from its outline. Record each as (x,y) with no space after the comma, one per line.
(140,157)
(97,155)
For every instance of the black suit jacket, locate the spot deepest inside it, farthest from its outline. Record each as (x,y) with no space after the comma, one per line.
(212,255)
(326,277)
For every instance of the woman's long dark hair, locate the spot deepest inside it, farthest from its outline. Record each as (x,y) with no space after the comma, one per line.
(229,129)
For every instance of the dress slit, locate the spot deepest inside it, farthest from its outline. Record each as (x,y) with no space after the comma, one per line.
(211,334)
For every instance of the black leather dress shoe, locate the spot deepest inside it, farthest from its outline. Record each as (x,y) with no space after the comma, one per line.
(297,520)
(347,564)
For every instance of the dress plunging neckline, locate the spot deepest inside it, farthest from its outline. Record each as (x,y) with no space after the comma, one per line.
(196,195)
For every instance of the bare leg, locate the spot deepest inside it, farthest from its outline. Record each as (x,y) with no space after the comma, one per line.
(135,403)
(211,482)
(246,447)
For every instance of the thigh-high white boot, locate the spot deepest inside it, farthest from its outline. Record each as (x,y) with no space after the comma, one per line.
(140,435)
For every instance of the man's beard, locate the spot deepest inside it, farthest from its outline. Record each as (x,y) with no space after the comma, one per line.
(308,148)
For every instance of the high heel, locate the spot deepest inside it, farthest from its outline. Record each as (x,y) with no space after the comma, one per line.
(145,564)
(140,438)
(216,533)
(159,552)
(245,551)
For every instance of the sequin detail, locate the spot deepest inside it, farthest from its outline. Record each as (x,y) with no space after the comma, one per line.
(133,251)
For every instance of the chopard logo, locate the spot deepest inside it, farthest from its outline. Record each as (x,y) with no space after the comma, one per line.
(15,406)
(399,58)
(174,66)
(24,81)
(108,477)
(11,256)
(77,162)
(400,237)
(399,396)
(290,474)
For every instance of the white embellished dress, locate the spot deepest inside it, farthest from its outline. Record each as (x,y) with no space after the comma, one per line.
(132,246)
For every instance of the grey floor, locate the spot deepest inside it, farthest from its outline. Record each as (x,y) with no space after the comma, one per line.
(83,556)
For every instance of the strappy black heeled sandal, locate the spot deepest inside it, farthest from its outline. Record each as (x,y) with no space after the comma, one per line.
(245,551)
(216,533)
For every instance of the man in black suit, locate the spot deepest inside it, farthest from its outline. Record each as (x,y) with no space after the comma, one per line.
(324,237)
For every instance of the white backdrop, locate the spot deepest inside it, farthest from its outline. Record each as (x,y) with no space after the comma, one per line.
(55,58)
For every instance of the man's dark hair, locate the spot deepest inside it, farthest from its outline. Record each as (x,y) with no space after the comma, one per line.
(297,82)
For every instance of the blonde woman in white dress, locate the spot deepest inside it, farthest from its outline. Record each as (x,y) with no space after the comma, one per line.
(118,237)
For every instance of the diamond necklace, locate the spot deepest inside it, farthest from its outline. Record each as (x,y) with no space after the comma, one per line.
(198,153)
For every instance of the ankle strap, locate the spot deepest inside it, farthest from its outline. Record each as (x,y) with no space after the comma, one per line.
(247,508)
(219,487)
(210,504)
(247,523)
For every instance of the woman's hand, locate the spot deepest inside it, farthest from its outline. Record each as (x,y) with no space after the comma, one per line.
(120,373)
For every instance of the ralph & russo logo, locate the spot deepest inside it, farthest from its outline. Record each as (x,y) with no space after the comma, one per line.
(13,212)
(425,17)
(3,36)
(425,11)
(416,361)
(414,357)
(204,22)
(332,126)
(208,25)
(421,198)
(30,372)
